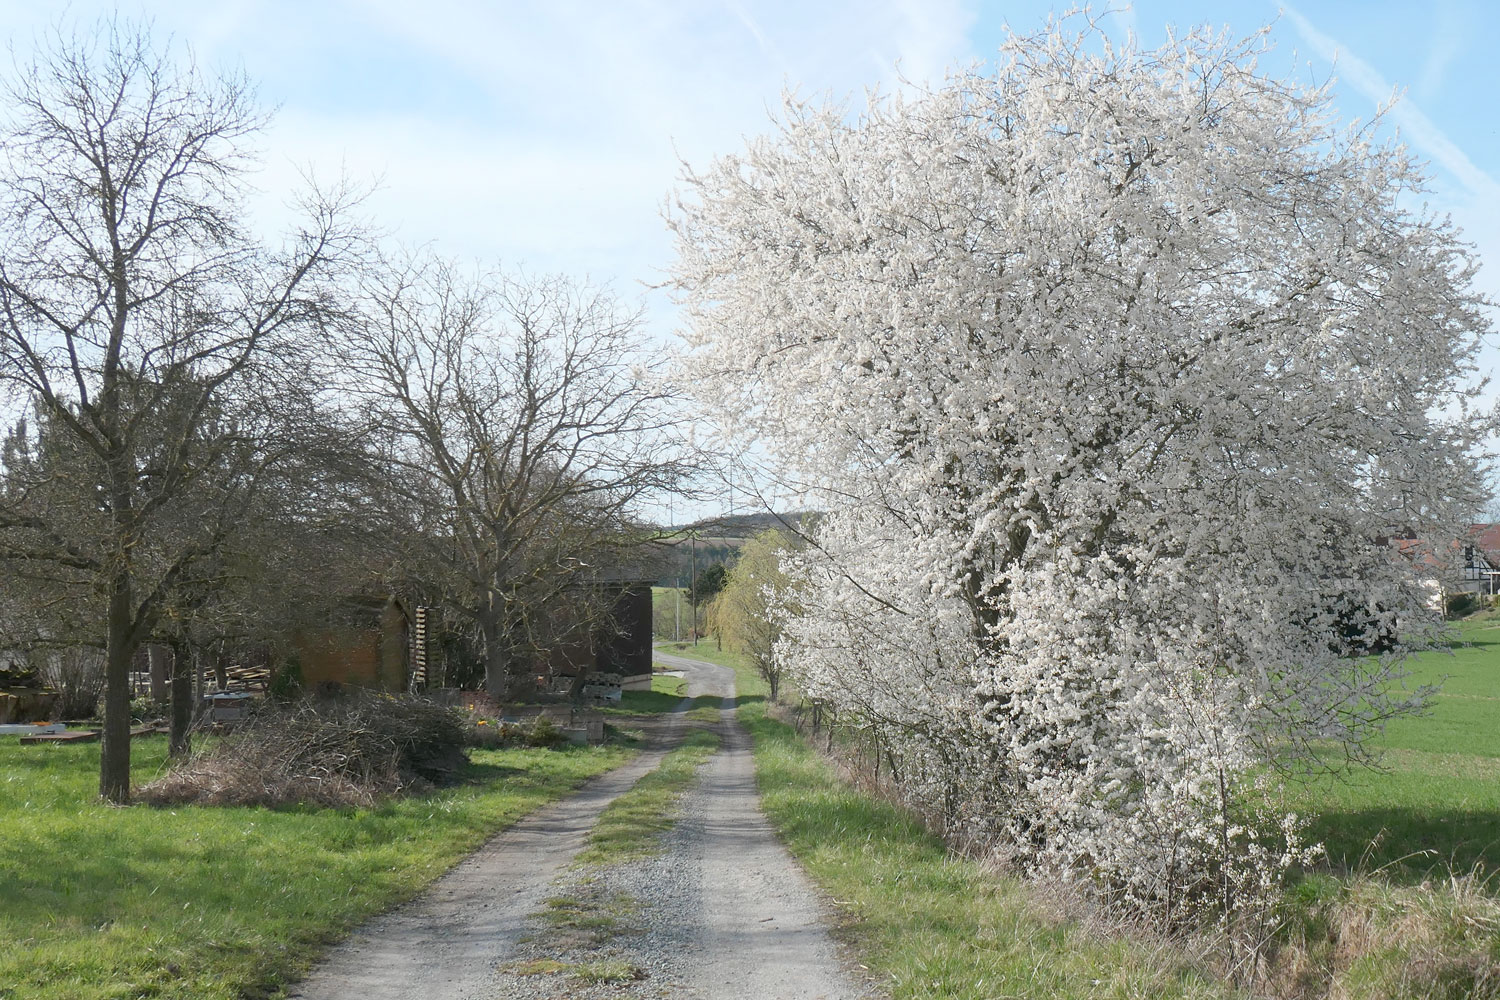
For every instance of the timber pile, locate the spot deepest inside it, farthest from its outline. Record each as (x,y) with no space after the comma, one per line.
(248,678)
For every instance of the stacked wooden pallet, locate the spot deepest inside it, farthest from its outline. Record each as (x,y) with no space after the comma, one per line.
(88,735)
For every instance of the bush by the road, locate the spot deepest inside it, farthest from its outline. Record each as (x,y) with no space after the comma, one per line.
(351,752)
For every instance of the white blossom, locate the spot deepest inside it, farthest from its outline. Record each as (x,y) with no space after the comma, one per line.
(1111,369)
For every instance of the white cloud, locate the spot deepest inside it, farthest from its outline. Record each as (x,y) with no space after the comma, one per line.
(1420,130)
(1125,22)
(1448,41)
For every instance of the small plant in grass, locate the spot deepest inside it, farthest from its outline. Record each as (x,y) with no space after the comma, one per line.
(608,971)
(488,734)
(599,971)
(545,733)
(537,967)
(587,919)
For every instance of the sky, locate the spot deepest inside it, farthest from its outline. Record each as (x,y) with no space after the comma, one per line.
(550,135)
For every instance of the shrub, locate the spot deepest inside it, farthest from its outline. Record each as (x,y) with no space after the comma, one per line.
(1461,604)
(545,733)
(285,685)
(77,675)
(148,709)
(491,734)
(350,752)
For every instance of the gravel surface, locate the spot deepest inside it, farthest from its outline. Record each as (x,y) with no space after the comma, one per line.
(723,912)
(444,944)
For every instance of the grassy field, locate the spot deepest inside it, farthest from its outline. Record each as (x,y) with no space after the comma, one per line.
(105,902)
(1436,805)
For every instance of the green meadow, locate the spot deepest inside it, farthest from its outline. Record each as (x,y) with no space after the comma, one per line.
(103,902)
(1434,805)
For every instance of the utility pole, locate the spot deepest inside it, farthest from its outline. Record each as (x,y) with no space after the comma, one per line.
(693,580)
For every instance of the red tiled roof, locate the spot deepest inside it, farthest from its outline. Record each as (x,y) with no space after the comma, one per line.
(1487,537)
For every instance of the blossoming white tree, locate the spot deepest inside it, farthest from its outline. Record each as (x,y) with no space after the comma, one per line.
(1111,369)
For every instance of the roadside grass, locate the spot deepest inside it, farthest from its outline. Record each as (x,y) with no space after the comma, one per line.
(705,649)
(706,710)
(1404,909)
(666,684)
(201,902)
(665,695)
(936,926)
(631,826)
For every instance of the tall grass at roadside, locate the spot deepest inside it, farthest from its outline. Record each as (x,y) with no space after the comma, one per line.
(222,903)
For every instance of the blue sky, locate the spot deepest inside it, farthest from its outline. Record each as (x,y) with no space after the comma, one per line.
(548,134)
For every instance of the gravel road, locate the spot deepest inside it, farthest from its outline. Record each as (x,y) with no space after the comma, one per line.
(724,912)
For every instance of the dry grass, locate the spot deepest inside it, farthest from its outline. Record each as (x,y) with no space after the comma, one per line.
(353,752)
(1364,937)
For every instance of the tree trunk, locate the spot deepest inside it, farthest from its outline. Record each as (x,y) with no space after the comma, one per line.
(178,742)
(157,665)
(221,669)
(496,663)
(198,682)
(114,758)
(522,676)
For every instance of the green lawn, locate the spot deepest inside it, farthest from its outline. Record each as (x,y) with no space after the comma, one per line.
(1436,806)
(200,902)
(665,695)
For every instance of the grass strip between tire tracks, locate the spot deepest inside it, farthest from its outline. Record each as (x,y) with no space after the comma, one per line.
(583,920)
(631,826)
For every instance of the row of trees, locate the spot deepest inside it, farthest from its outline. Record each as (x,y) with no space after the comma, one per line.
(1110,369)
(213,438)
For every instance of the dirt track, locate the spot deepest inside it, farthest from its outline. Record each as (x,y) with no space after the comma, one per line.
(724,913)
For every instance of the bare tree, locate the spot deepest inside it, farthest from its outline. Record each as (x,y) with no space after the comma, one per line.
(134,307)
(524,424)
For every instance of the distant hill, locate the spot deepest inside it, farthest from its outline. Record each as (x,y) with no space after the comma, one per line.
(718,540)
(749,525)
